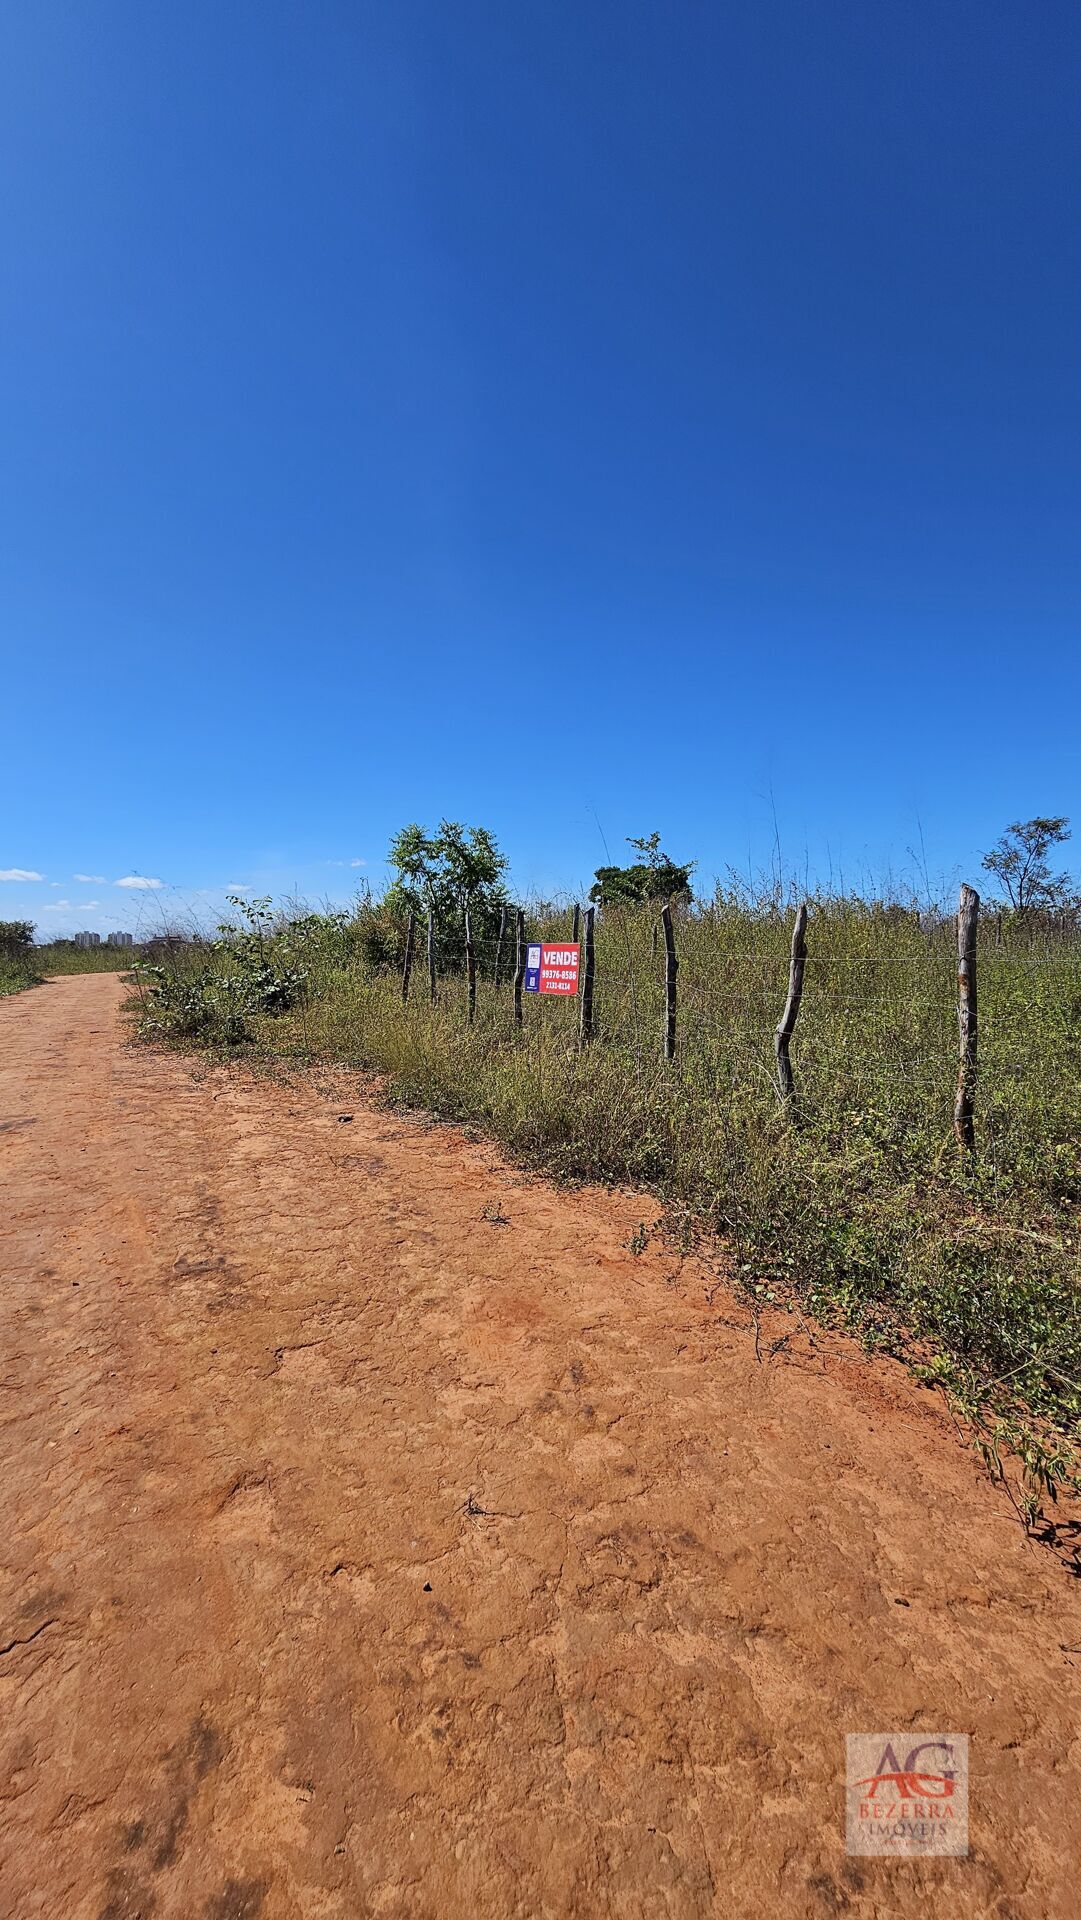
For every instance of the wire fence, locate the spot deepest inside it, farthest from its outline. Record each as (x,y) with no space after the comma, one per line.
(950,1011)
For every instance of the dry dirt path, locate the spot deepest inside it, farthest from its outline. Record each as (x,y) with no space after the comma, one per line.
(367,1557)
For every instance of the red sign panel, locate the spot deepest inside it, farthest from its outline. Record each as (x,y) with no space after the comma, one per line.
(552,968)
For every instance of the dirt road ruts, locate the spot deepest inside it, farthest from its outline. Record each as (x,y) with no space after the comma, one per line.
(367,1556)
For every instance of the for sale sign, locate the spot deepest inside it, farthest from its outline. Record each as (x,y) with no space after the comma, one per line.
(552,969)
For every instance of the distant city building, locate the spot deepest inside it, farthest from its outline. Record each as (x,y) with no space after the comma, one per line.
(111,939)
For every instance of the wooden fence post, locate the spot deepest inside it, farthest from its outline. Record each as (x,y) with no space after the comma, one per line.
(576,923)
(431,957)
(968,919)
(410,936)
(585,1017)
(786,1026)
(671,967)
(519,967)
(470,968)
(499,942)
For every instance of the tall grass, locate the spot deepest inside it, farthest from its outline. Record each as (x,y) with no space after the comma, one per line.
(63,956)
(858,1206)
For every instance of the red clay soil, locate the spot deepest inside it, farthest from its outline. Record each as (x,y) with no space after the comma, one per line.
(383,1537)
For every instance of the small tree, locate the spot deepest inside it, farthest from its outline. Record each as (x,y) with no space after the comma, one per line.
(444,873)
(654,877)
(15,938)
(1019,863)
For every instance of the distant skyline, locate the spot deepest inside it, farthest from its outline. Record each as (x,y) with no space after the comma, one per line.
(578,421)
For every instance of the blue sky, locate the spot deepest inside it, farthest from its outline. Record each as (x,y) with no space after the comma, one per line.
(576,419)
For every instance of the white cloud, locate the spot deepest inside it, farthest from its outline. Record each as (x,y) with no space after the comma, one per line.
(58,906)
(19,873)
(87,879)
(347,863)
(137,880)
(87,906)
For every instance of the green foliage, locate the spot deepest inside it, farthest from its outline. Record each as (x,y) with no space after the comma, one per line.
(381,937)
(18,968)
(15,938)
(212,992)
(444,873)
(1019,863)
(654,877)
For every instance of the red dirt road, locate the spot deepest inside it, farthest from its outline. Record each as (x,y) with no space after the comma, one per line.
(367,1557)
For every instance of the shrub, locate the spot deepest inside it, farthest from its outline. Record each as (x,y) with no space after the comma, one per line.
(18,968)
(213,992)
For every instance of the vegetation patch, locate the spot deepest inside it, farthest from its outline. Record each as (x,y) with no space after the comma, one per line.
(63,956)
(19,966)
(856,1205)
